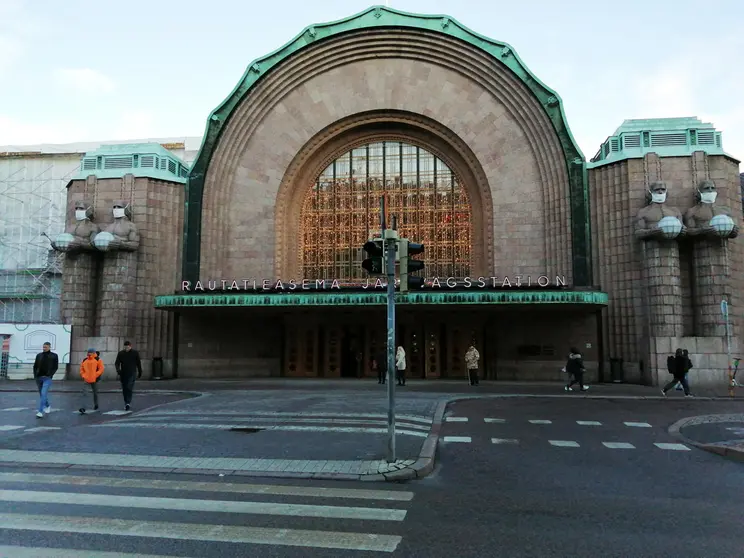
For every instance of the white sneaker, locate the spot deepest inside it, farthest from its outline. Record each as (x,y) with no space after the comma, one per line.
(585,388)
(566,388)
(47,410)
(39,414)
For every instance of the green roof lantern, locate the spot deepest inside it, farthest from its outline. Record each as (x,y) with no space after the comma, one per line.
(667,137)
(150,160)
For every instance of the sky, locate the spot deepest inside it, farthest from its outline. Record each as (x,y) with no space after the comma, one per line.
(81,70)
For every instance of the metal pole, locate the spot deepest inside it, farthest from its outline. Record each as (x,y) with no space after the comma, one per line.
(390,268)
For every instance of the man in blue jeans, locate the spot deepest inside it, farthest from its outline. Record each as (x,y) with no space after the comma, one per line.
(45,366)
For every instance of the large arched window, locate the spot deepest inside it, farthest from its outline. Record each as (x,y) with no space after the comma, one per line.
(342,210)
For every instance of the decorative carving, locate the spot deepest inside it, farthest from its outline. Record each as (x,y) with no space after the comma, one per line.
(658,221)
(312,32)
(445,23)
(122,234)
(256,68)
(79,235)
(506,51)
(708,219)
(378,12)
(552,101)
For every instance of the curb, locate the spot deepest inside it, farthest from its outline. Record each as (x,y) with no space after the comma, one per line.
(724,449)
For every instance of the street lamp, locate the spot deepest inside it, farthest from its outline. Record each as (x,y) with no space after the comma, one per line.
(722,224)
(63,241)
(103,240)
(670,226)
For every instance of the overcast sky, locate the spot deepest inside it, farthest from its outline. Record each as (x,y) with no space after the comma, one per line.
(83,70)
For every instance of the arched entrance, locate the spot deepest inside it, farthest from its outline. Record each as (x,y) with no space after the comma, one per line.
(341,211)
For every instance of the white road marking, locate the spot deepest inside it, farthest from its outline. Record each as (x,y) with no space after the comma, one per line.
(638,424)
(43,428)
(201,532)
(349,422)
(535,421)
(47,552)
(464,439)
(618,445)
(589,423)
(498,420)
(563,444)
(207,506)
(232,488)
(18,409)
(270,414)
(289,428)
(117,413)
(504,441)
(456,419)
(676,447)
(8,427)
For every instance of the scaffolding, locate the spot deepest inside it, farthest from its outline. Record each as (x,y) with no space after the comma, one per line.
(33,201)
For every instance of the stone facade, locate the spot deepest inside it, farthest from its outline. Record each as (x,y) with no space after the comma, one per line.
(108,297)
(641,329)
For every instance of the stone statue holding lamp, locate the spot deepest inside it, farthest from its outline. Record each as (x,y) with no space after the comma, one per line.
(122,234)
(657,220)
(80,234)
(707,219)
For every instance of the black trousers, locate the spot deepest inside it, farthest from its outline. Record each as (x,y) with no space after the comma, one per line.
(682,380)
(473,376)
(578,378)
(127,386)
(401,377)
(381,376)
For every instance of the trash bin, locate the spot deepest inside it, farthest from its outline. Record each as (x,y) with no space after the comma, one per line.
(157,368)
(616,370)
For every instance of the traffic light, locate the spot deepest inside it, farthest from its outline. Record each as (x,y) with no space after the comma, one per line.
(408,265)
(375,263)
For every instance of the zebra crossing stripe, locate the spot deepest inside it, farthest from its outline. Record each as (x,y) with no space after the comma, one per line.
(196,486)
(536,421)
(638,424)
(39,551)
(456,419)
(200,532)
(675,447)
(618,445)
(206,506)
(588,423)
(504,441)
(9,427)
(497,420)
(464,439)
(564,443)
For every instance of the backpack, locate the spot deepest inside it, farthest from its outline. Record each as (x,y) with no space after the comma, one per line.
(670,364)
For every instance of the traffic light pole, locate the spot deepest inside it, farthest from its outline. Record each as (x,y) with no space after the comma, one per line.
(390,268)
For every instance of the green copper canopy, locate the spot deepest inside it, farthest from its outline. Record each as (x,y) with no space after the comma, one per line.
(310,299)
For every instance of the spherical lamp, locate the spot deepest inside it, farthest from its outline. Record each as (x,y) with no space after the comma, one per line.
(103,240)
(670,226)
(63,241)
(722,224)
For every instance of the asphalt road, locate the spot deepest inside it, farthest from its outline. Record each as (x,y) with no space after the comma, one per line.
(520,497)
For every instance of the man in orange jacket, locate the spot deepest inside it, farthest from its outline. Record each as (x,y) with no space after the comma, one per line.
(91,370)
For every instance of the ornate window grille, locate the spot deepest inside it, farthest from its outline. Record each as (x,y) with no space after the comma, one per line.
(342,210)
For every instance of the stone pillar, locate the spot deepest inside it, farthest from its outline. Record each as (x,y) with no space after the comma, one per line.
(711,284)
(117,299)
(80,281)
(661,261)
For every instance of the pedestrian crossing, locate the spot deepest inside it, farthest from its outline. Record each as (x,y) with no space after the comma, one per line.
(193,513)
(114,412)
(539,431)
(365,423)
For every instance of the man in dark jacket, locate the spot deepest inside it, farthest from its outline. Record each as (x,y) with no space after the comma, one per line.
(381,364)
(45,366)
(575,369)
(678,366)
(127,364)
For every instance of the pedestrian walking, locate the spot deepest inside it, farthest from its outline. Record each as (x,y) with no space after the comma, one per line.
(45,366)
(472,356)
(128,367)
(381,364)
(687,373)
(400,366)
(91,370)
(575,369)
(678,367)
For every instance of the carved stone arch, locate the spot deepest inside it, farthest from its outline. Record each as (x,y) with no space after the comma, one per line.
(361,129)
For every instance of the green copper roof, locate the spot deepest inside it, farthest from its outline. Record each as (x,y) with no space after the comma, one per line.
(667,137)
(382,17)
(149,160)
(502,298)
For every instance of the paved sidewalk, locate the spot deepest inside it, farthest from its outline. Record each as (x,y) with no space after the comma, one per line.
(721,434)
(414,386)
